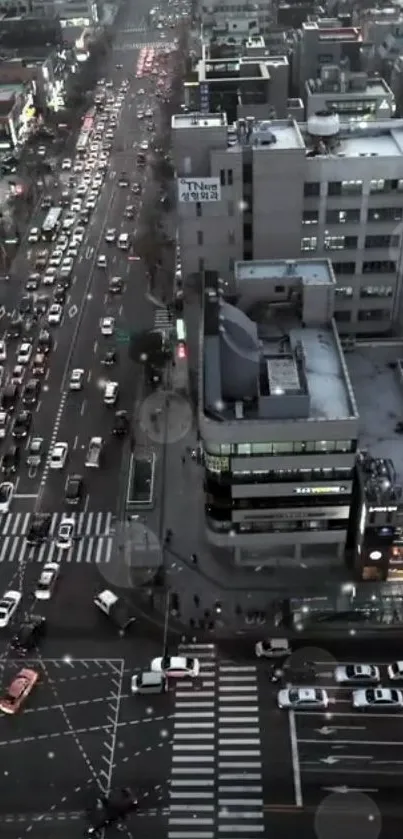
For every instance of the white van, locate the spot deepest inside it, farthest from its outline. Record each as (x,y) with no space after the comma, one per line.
(124,242)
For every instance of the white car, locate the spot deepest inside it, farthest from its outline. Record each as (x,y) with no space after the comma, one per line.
(65,534)
(66,267)
(3,424)
(50,275)
(395,671)
(176,666)
(24,353)
(144,145)
(47,580)
(78,235)
(62,243)
(3,351)
(81,191)
(76,205)
(107,326)
(6,496)
(78,166)
(72,252)
(55,314)
(58,456)
(365,674)
(18,374)
(110,236)
(102,261)
(55,259)
(303,699)
(8,605)
(34,235)
(383,699)
(90,204)
(66,164)
(76,379)
(111,393)
(273,648)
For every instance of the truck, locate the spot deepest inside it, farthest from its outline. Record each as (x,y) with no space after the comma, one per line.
(117,609)
(92,460)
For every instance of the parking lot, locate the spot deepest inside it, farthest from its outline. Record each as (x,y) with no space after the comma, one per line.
(345,748)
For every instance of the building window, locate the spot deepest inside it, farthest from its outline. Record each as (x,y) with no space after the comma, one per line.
(200,238)
(340,243)
(369,315)
(311,188)
(231,237)
(382,241)
(344,267)
(377,186)
(198,209)
(382,266)
(342,316)
(379,214)
(310,217)
(375,291)
(279,289)
(344,291)
(247,232)
(247,173)
(396,185)
(351,187)
(342,216)
(230,208)
(222,177)
(231,264)
(334,188)
(201,264)
(230,177)
(309,243)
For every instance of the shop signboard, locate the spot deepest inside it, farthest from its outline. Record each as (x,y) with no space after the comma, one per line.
(199,190)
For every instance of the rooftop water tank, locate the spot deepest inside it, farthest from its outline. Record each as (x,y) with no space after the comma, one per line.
(324,124)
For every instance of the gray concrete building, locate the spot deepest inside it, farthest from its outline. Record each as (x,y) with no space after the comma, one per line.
(322,42)
(247,17)
(275,190)
(354,96)
(277,416)
(87,10)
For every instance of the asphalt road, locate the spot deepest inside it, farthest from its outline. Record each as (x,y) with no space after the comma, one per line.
(75,418)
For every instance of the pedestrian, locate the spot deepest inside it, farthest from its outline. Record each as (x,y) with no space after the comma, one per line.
(194,559)
(196,600)
(168,536)
(183,459)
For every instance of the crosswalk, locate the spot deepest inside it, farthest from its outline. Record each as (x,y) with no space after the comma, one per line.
(216,784)
(162,319)
(86,524)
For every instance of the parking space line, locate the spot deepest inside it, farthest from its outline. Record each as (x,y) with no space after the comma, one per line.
(295,759)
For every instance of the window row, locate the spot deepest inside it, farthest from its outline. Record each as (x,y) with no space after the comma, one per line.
(220,525)
(372,291)
(383,266)
(364,316)
(274,476)
(353,216)
(293,447)
(353,187)
(341,243)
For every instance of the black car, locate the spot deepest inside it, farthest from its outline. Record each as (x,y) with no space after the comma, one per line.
(26,305)
(31,392)
(129,212)
(22,424)
(137,189)
(123,179)
(59,294)
(46,202)
(65,198)
(44,341)
(39,527)
(74,489)
(10,460)
(15,327)
(10,396)
(110,809)
(42,304)
(84,216)
(115,285)
(29,635)
(110,358)
(33,282)
(121,424)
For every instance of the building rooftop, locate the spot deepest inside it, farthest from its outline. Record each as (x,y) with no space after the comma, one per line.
(268,360)
(198,120)
(333,33)
(9,91)
(311,271)
(378,388)
(356,86)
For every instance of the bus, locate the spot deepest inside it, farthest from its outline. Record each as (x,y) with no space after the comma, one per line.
(51,224)
(82,143)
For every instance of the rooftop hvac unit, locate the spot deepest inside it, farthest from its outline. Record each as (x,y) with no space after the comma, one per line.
(324,124)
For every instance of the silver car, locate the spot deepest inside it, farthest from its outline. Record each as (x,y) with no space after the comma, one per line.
(363,674)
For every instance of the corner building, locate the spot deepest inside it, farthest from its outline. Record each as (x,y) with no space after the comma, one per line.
(322,190)
(277,416)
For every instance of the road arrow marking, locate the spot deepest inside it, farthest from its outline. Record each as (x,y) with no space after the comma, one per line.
(343,790)
(73,311)
(331,759)
(326,729)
